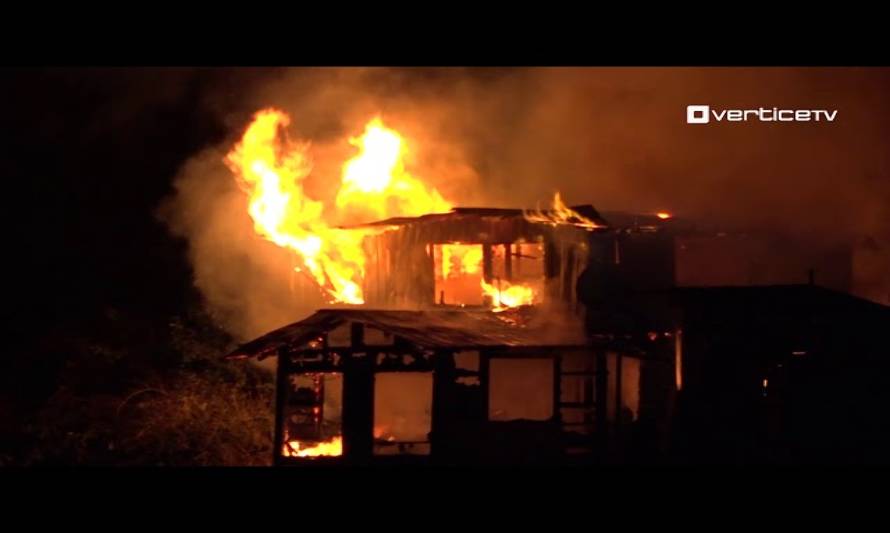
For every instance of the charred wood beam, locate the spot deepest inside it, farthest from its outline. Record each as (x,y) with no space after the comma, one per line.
(618,385)
(487,266)
(601,396)
(358,408)
(544,350)
(508,261)
(357,335)
(444,377)
(557,389)
(281,389)
(568,275)
(551,260)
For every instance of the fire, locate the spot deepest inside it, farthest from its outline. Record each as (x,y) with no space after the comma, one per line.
(663,215)
(561,214)
(507,295)
(331,448)
(272,170)
(466,259)
(460,259)
(378,172)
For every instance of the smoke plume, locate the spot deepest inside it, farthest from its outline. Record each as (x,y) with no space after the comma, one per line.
(613,137)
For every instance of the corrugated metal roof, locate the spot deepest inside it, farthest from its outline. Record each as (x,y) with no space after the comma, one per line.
(429,329)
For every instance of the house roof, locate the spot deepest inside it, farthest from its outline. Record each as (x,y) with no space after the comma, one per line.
(587,211)
(431,329)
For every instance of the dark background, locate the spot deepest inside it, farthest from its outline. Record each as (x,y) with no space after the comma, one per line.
(92,277)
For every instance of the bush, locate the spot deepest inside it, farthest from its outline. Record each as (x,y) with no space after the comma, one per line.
(191,408)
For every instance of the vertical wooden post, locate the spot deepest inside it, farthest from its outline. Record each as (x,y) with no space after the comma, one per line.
(568,281)
(357,335)
(487,266)
(588,395)
(602,397)
(281,388)
(557,388)
(443,385)
(358,407)
(618,406)
(508,262)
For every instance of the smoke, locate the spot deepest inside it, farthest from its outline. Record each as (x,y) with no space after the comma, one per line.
(614,137)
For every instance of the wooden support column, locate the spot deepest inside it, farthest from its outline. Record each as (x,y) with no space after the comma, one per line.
(568,275)
(281,390)
(487,266)
(618,406)
(358,407)
(557,388)
(443,394)
(508,262)
(601,392)
(357,335)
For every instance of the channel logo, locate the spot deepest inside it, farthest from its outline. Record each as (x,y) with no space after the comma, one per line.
(702,114)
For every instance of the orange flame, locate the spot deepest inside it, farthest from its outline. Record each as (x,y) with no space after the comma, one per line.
(331,448)
(272,170)
(461,259)
(508,295)
(663,215)
(378,173)
(561,214)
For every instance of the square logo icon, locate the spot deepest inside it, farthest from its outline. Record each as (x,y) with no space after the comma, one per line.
(698,114)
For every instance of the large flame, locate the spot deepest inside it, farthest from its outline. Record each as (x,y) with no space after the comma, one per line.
(460,259)
(272,170)
(376,178)
(505,295)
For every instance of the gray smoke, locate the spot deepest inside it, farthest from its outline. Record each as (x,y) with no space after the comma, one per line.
(613,137)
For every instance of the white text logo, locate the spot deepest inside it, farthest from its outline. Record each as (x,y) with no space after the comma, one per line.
(702,114)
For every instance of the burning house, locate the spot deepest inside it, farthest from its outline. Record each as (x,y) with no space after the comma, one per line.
(471,347)
(486,334)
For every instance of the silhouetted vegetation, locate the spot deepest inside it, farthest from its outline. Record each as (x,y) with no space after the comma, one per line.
(128,394)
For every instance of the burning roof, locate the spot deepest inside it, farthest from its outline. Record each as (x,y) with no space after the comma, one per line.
(430,329)
(580,216)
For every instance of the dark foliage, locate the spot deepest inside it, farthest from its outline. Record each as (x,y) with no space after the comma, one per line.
(128,394)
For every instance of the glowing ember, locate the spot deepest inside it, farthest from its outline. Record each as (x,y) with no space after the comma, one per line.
(331,448)
(561,214)
(272,169)
(663,215)
(509,295)
(381,433)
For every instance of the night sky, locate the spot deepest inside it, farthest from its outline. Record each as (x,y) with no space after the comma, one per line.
(91,154)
